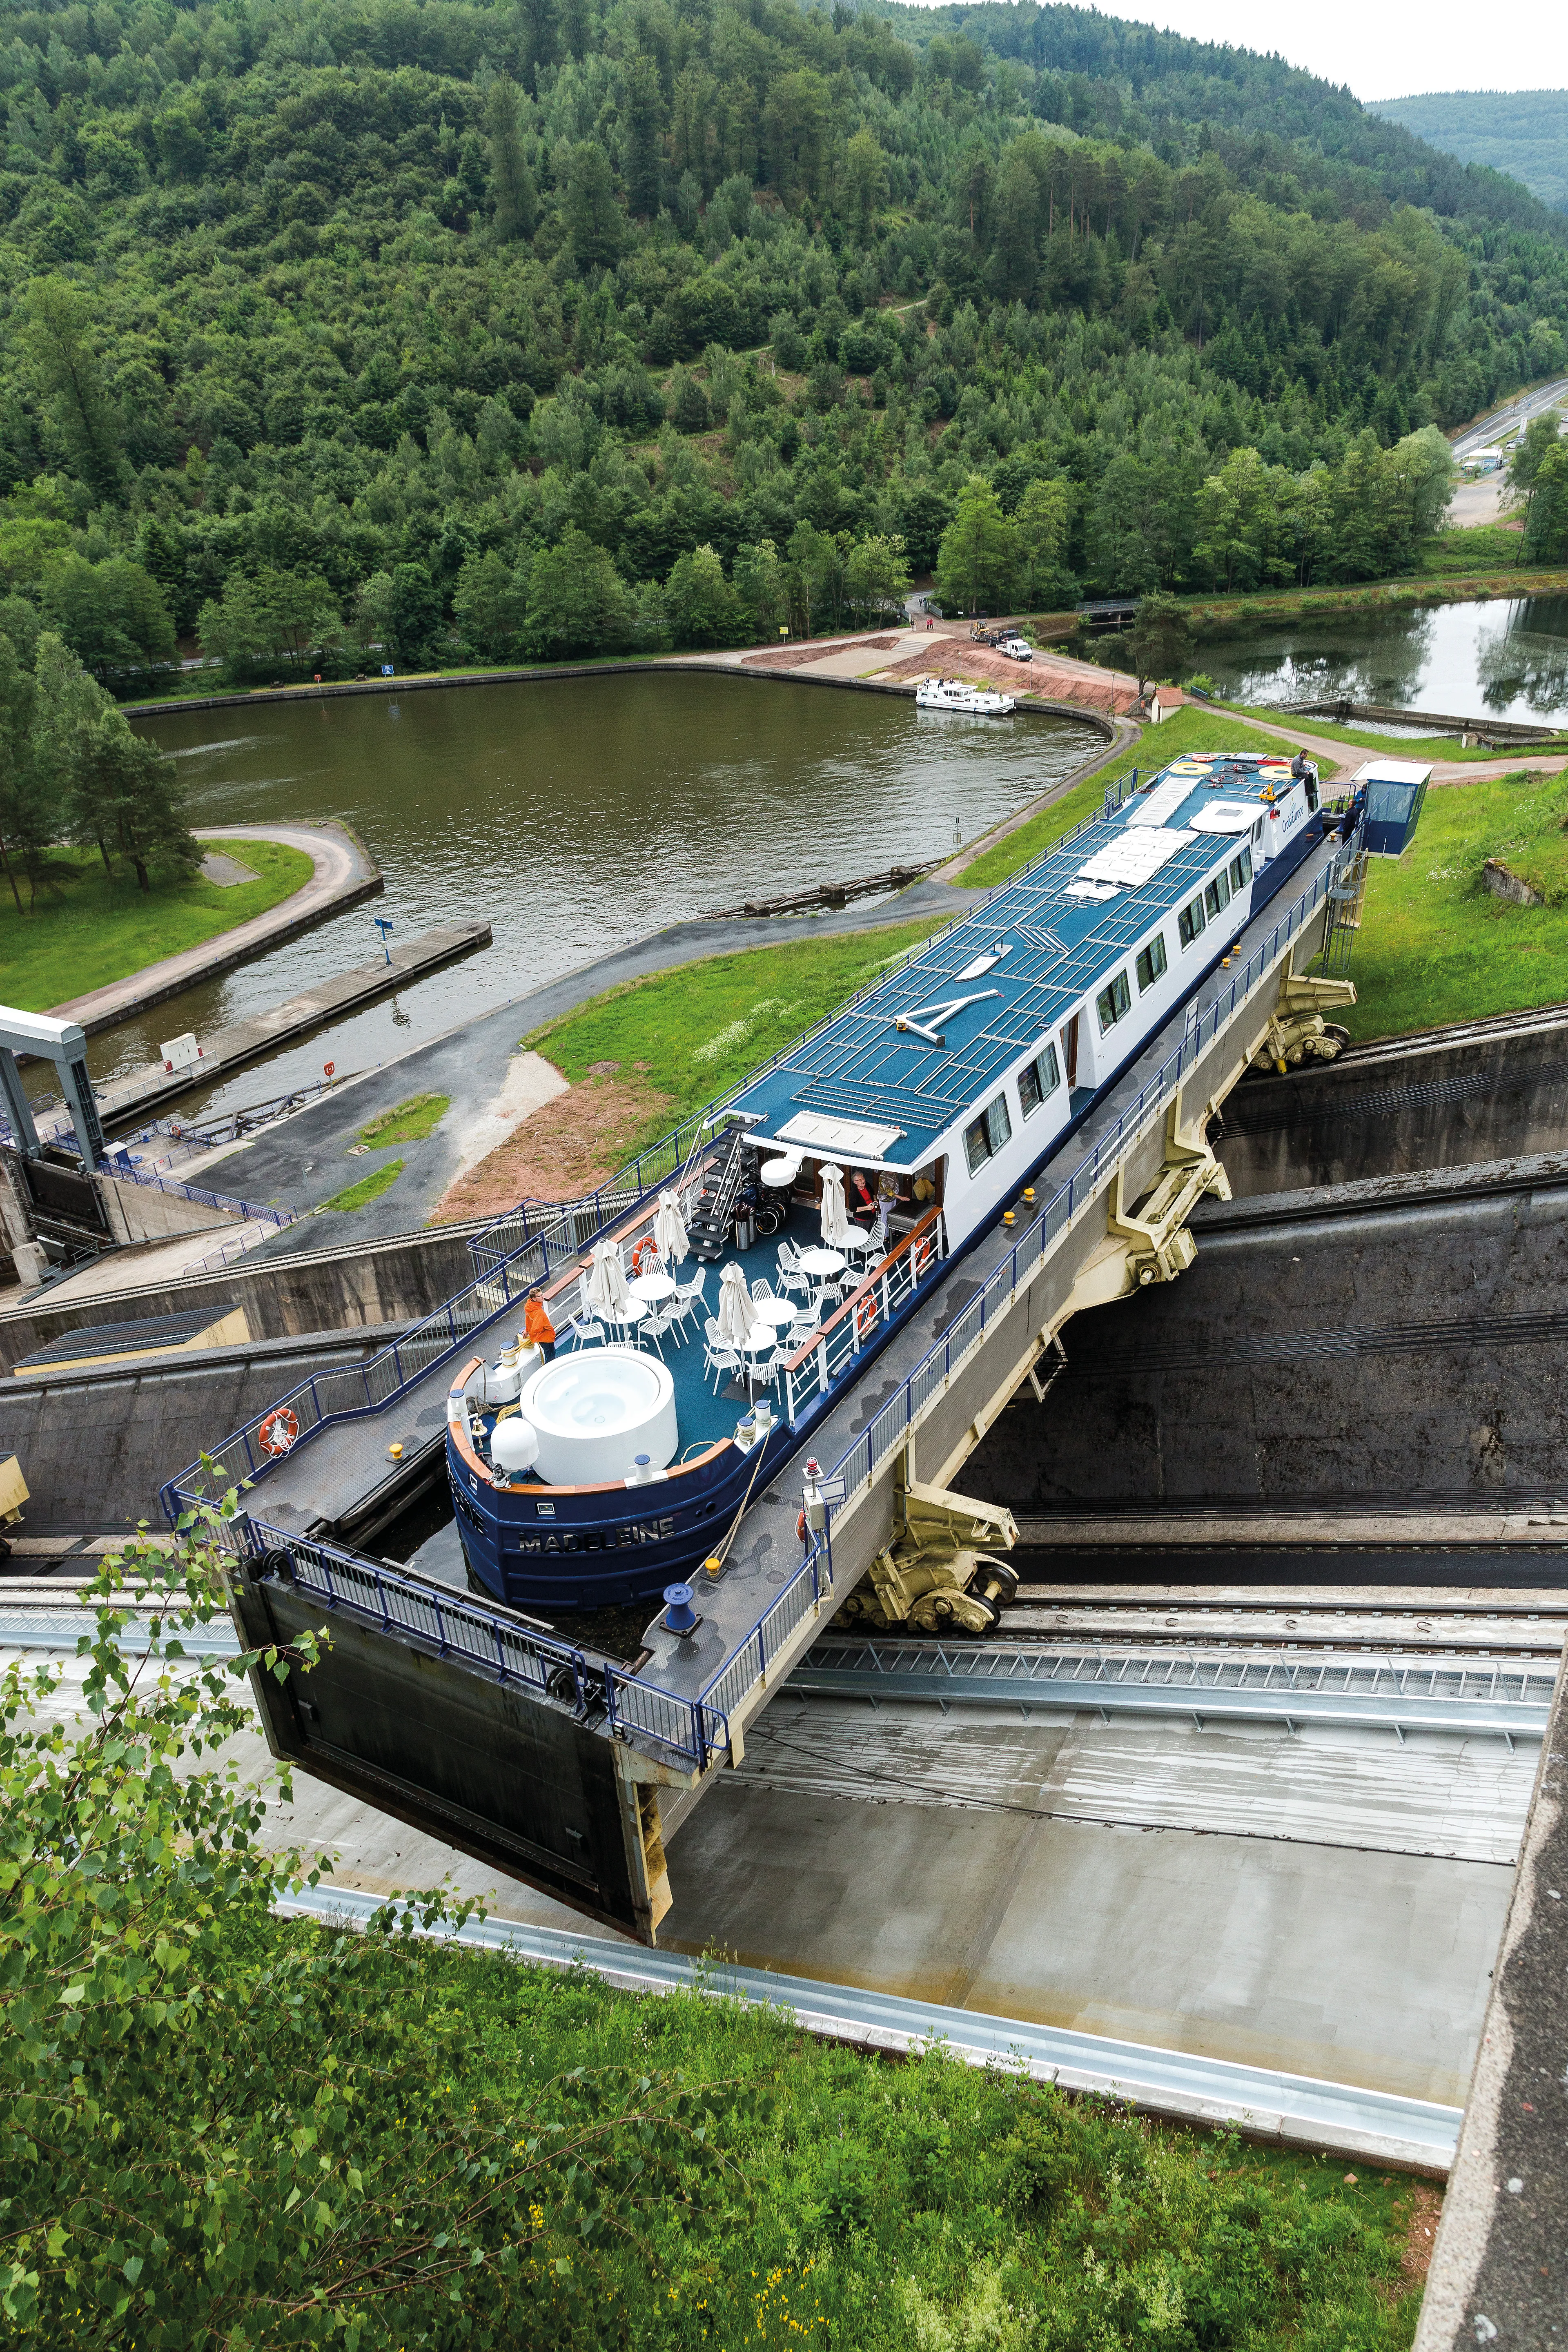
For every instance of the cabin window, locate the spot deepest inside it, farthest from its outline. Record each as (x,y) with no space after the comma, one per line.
(1190,922)
(1112,1001)
(1257,833)
(1241,871)
(1216,897)
(1037,1079)
(1311,792)
(1151,962)
(987,1134)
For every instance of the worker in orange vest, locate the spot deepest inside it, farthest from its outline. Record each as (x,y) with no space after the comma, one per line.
(537,1326)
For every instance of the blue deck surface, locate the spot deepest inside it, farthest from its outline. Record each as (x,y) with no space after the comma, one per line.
(1059,949)
(703,1417)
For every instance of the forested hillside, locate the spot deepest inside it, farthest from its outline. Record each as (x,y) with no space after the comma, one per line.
(457,328)
(1521,131)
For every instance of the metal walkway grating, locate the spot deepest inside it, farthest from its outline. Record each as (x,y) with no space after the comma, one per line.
(1507,1695)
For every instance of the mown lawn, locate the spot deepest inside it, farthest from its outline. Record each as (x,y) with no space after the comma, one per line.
(1192,729)
(86,929)
(927,2207)
(1435,946)
(698,1029)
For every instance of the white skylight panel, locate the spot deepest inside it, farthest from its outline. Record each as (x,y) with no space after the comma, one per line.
(1226,816)
(1153,808)
(1131,858)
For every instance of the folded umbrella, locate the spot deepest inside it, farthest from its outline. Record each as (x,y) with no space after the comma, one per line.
(735,1315)
(669,1231)
(834,1224)
(607,1291)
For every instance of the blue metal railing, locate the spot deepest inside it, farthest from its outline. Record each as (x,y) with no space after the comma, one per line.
(117,1163)
(691,1730)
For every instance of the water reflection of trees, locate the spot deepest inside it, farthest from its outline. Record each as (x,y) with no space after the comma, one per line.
(1326,663)
(1525,660)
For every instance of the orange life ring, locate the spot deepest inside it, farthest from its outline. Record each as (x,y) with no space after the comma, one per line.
(647,1247)
(800,1528)
(280,1430)
(865,1315)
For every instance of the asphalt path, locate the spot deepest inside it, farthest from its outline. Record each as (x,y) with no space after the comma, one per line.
(305,1159)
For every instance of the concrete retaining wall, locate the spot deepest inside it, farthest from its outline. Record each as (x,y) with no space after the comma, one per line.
(94,1445)
(1398,1341)
(1444,1100)
(144,1213)
(284,1295)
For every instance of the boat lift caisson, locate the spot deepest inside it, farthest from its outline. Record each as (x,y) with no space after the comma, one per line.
(616,1469)
(939,1093)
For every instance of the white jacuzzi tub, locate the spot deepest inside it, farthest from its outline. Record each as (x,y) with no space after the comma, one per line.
(597,1410)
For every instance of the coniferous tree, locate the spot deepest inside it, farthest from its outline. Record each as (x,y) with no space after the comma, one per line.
(516,197)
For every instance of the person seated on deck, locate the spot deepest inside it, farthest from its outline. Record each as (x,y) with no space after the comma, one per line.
(861,1200)
(537,1326)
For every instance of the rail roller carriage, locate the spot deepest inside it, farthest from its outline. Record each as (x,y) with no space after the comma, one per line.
(13,1496)
(617,1468)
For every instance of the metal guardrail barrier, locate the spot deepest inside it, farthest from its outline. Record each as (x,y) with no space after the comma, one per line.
(1401,1694)
(250,1213)
(1300,2110)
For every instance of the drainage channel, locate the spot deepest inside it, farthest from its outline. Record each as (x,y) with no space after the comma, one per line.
(1509,1699)
(1293,2110)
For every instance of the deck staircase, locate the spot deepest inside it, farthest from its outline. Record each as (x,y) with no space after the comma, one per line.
(707,1228)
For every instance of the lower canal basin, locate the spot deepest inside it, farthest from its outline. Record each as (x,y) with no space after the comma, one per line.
(576,816)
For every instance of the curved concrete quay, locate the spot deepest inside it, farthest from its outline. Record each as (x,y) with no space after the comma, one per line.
(345,872)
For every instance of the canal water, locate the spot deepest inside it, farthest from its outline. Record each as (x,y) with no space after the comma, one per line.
(577,817)
(1486,659)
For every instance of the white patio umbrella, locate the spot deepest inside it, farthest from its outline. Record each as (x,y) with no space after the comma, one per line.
(834,1224)
(607,1291)
(735,1317)
(669,1231)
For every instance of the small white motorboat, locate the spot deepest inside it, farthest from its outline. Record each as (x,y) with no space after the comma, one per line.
(952,694)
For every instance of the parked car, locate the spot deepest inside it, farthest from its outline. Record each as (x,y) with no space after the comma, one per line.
(1016,648)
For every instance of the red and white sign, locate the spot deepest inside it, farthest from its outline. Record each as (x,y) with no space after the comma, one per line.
(278,1430)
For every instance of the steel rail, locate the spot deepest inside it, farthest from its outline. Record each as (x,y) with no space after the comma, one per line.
(1509,1699)
(1263,2103)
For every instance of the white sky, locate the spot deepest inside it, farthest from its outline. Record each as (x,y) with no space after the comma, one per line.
(1384,49)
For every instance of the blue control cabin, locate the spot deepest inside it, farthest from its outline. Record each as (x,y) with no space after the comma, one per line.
(1395,793)
(618,1467)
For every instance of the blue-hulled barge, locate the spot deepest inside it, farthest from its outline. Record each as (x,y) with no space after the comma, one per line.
(947,1089)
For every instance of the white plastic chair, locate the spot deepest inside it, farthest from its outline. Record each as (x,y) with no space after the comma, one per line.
(761,1291)
(665,1323)
(585,1333)
(789,1274)
(688,1297)
(807,1324)
(720,1362)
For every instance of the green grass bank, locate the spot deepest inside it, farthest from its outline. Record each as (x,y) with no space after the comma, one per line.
(87,930)
(1436,946)
(921,2208)
(690,1033)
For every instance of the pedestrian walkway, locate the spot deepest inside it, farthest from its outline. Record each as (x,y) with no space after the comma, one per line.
(344,873)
